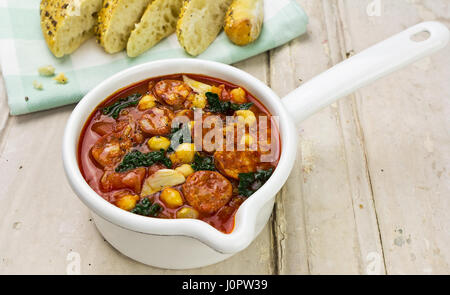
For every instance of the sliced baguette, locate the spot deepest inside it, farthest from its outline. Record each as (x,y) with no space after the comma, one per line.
(159,21)
(244,21)
(199,24)
(116,20)
(66,24)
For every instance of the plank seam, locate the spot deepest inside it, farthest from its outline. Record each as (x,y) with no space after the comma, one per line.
(278,229)
(307,238)
(276,256)
(5,117)
(346,51)
(5,126)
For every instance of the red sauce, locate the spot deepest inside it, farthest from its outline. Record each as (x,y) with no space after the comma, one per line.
(92,172)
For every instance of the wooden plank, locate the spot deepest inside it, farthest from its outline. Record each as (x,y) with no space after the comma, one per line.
(42,220)
(322,228)
(4,111)
(405,121)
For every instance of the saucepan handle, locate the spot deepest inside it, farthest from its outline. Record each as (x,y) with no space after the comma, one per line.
(364,68)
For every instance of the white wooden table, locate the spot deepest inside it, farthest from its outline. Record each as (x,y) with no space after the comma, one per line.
(370,192)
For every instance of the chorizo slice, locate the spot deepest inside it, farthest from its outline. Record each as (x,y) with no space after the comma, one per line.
(157,121)
(110,149)
(128,127)
(103,128)
(132,179)
(173,92)
(207,191)
(232,163)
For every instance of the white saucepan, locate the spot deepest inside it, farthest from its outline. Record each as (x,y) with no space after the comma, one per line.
(186,243)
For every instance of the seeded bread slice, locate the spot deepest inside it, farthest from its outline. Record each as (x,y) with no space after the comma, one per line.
(199,24)
(66,24)
(116,20)
(159,21)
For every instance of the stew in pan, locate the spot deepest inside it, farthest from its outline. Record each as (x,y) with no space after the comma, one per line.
(180,146)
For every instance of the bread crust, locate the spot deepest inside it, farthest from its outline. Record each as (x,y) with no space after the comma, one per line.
(244,21)
(67,24)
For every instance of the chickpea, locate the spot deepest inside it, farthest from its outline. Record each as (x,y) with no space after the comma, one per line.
(192,125)
(248,117)
(171,197)
(199,101)
(229,128)
(185,113)
(147,102)
(247,140)
(187,212)
(184,153)
(185,169)
(238,95)
(157,143)
(127,202)
(216,90)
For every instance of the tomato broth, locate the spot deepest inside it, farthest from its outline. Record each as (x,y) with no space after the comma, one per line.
(213,196)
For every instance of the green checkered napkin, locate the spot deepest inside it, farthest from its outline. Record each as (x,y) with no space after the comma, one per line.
(23,51)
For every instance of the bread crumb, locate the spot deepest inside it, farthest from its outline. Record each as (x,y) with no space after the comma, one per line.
(46,71)
(37,85)
(61,78)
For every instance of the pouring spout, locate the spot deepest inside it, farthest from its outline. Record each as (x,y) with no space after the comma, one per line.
(364,68)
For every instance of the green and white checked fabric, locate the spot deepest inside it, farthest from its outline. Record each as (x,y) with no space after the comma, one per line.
(23,51)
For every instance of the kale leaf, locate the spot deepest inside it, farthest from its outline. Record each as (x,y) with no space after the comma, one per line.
(146,208)
(251,182)
(137,159)
(218,106)
(115,109)
(215,104)
(244,106)
(203,163)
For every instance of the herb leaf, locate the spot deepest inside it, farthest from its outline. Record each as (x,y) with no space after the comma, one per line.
(251,182)
(146,208)
(244,106)
(215,104)
(218,106)
(203,163)
(137,159)
(115,109)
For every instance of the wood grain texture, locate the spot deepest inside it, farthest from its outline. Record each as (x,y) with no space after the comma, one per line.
(369,193)
(332,181)
(405,121)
